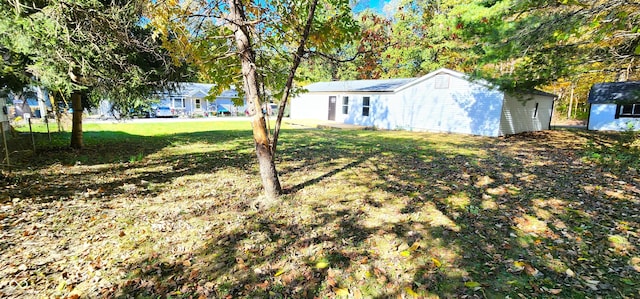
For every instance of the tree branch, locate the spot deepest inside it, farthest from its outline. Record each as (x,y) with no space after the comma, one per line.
(297,58)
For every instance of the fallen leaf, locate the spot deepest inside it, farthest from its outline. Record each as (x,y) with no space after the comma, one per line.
(472,284)
(264,285)
(280,272)
(331,282)
(436,262)
(570,273)
(341,291)
(322,265)
(411,292)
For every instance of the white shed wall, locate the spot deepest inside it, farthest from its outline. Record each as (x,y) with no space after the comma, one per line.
(602,117)
(464,107)
(518,114)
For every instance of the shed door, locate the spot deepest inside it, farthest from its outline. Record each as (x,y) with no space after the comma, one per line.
(332,108)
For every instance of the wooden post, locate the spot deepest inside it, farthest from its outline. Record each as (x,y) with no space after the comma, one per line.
(4,140)
(33,140)
(46,121)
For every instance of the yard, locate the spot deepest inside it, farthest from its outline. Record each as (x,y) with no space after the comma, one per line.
(174,210)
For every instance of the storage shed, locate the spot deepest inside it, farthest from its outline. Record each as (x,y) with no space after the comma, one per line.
(614,106)
(441,101)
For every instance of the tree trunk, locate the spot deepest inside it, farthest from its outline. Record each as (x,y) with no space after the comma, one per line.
(76,130)
(297,58)
(570,103)
(268,173)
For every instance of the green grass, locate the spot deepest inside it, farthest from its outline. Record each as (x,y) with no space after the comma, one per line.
(172,210)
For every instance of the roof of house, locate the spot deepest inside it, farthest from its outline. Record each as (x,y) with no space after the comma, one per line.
(197,90)
(395,85)
(615,92)
(383,85)
(194,90)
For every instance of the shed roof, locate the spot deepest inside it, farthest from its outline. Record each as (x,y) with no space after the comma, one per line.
(615,93)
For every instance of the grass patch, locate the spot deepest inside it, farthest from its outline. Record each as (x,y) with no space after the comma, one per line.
(157,210)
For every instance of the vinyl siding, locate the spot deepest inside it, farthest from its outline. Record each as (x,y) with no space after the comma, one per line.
(426,104)
(311,106)
(464,107)
(602,117)
(518,114)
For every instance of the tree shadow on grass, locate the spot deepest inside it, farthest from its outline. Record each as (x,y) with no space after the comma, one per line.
(122,153)
(506,217)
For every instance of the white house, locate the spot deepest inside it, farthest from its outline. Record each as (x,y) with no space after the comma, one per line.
(441,101)
(190,99)
(614,106)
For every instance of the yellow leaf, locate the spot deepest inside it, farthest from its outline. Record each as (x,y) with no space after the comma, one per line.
(436,262)
(471,284)
(342,292)
(280,272)
(414,247)
(518,265)
(405,253)
(411,292)
(322,265)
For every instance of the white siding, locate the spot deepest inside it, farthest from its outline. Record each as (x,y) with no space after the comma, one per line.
(602,117)
(464,107)
(311,106)
(442,101)
(519,113)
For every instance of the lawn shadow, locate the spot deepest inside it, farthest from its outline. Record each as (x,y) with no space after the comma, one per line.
(126,165)
(389,216)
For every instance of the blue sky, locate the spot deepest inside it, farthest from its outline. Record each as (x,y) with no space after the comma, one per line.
(377,5)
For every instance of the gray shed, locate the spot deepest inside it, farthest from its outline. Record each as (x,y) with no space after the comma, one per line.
(614,106)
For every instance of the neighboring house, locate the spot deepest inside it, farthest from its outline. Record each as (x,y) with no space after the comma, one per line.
(33,100)
(441,101)
(189,99)
(614,106)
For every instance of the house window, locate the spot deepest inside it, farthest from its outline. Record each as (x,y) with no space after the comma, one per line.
(178,103)
(628,110)
(345,105)
(442,82)
(535,111)
(198,104)
(366,103)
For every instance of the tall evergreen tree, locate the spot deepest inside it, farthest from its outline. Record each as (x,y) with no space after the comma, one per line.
(86,49)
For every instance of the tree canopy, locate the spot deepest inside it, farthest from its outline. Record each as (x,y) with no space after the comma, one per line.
(525,44)
(95,47)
